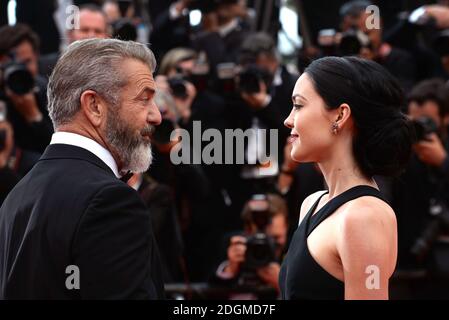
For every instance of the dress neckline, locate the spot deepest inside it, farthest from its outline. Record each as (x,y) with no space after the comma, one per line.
(313,208)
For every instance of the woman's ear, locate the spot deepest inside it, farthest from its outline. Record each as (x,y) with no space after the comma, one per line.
(93,107)
(343,115)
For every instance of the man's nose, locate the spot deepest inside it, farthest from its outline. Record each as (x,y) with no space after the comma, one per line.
(154,116)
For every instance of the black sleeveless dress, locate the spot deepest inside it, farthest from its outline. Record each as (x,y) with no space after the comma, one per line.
(301,277)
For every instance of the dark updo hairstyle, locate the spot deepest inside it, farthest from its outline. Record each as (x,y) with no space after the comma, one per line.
(383,134)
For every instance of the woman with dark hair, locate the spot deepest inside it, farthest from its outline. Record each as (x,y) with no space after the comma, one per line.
(347,118)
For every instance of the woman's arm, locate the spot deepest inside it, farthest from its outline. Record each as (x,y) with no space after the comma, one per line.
(367,245)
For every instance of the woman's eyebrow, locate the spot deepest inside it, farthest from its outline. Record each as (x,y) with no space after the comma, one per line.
(298,96)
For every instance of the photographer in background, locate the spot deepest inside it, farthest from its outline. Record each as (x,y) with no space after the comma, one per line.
(164,218)
(359,37)
(170,26)
(204,209)
(425,182)
(254,255)
(92,24)
(23,90)
(261,100)
(399,62)
(223,32)
(14,162)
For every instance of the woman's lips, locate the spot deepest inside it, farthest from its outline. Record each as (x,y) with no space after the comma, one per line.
(293,137)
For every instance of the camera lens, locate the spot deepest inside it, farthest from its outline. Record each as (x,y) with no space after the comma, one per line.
(18,79)
(423,127)
(178,88)
(259,251)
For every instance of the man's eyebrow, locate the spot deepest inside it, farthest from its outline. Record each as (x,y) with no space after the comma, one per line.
(298,96)
(147,90)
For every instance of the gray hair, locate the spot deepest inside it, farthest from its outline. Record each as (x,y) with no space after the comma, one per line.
(92,64)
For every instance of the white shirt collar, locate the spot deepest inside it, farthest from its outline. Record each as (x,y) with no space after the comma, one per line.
(88,144)
(228,28)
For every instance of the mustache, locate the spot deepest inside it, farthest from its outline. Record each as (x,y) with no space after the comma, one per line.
(148,130)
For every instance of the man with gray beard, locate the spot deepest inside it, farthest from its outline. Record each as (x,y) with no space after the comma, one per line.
(71,229)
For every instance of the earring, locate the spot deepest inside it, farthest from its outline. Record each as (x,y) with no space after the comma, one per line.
(335,127)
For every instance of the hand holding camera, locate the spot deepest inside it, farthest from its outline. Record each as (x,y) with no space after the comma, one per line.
(270,274)
(182,91)
(257,100)
(18,84)
(253,86)
(26,105)
(236,255)
(428,147)
(431,150)
(184,100)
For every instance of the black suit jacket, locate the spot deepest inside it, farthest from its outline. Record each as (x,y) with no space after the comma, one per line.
(70,209)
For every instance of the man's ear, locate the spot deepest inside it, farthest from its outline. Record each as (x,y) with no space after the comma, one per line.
(93,107)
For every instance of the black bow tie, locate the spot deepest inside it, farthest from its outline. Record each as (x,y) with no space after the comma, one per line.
(126,176)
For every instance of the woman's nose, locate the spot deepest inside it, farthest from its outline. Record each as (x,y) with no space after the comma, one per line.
(289,121)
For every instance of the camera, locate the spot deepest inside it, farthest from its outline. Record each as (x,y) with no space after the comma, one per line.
(347,43)
(439,223)
(250,77)
(178,87)
(423,127)
(352,41)
(260,248)
(16,77)
(198,76)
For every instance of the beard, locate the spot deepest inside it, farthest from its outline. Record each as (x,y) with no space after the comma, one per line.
(133,150)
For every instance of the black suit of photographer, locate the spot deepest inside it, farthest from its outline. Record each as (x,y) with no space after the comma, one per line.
(169,33)
(21,161)
(221,49)
(412,193)
(240,115)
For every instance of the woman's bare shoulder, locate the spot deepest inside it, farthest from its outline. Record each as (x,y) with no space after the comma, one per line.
(368,209)
(367,222)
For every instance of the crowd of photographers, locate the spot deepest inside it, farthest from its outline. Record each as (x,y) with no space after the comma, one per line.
(230,225)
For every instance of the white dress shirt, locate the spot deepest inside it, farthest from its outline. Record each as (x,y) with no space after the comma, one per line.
(88,144)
